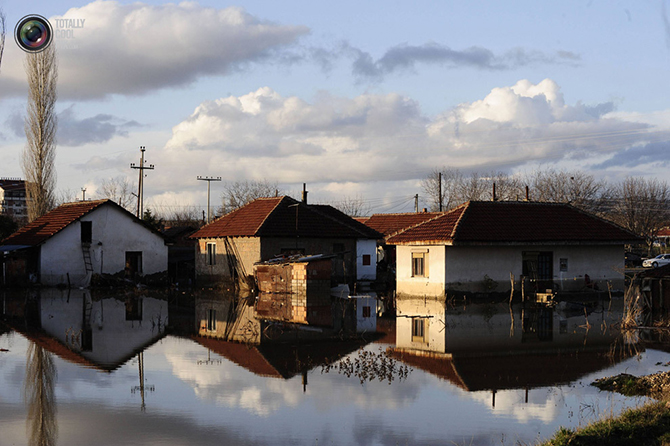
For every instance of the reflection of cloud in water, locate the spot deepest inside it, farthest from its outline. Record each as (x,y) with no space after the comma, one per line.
(542,405)
(230,385)
(233,386)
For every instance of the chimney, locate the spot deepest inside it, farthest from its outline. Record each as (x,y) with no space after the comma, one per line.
(494,192)
(527,194)
(304,193)
(424,210)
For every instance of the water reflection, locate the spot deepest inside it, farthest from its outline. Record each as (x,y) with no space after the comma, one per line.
(441,373)
(495,347)
(40,397)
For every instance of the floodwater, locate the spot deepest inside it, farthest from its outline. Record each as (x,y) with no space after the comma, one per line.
(79,369)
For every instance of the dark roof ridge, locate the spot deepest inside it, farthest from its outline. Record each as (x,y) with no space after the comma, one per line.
(344,222)
(281,199)
(465,205)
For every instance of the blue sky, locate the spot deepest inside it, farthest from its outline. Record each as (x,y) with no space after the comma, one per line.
(354,98)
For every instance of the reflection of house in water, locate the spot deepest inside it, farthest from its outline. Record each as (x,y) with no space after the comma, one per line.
(281,360)
(100,333)
(490,347)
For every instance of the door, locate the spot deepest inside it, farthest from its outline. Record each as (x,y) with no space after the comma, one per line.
(133,264)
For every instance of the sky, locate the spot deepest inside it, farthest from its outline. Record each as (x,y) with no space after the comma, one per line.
(355,99)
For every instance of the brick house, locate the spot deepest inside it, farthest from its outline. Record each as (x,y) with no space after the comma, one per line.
(475,247)
(266,228)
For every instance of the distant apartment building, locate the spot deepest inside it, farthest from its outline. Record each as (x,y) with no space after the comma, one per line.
(13,199)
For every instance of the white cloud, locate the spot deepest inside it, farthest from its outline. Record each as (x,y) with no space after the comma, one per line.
(136,48)
(386,136)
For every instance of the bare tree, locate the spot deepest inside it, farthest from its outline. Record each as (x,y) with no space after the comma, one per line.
(40,152)
(577,188)
(457,188)
(66,196)
(239,193)
(178,214)
(353,206)
(451,178)
(641,206)
(118,190)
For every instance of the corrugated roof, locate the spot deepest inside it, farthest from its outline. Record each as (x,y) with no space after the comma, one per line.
(389,224)
(283,217)
(514,222)
(41,229)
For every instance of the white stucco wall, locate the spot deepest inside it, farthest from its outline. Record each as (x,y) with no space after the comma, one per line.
(464,268)
(366,247)
(114,233)
(467,266)
(433,285)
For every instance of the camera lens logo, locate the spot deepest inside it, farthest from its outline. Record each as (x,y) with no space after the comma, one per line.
(33,33)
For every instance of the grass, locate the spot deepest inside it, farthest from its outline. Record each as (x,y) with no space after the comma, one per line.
(646,425)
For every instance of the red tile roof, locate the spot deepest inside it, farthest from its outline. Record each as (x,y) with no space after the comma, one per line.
(276,217)
(514,222)
(41,229)
(664,232)
(389,224)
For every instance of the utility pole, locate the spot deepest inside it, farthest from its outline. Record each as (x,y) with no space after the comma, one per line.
(439,188)
(140,186)
(209,180)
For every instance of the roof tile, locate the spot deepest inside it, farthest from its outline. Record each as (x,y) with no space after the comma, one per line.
(514,222)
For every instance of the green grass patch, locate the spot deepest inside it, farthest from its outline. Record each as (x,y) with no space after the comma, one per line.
(646,425)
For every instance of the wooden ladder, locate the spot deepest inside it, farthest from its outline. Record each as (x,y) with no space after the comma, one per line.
(86,251)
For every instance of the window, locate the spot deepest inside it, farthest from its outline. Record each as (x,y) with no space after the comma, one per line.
(419,329)
(211,253)
(86,231)
(211,320)
(366,311)
(366,259)
(564,264)
(419,264)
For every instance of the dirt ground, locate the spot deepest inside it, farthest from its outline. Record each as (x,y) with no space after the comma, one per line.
(656,385)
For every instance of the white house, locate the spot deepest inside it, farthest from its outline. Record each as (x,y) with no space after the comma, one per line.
(76,240)
(476,246)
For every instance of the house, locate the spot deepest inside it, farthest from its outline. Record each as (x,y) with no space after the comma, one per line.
(13,199)
(267,227)
(389,225)
(76,240)
(181,254)
(480,245)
